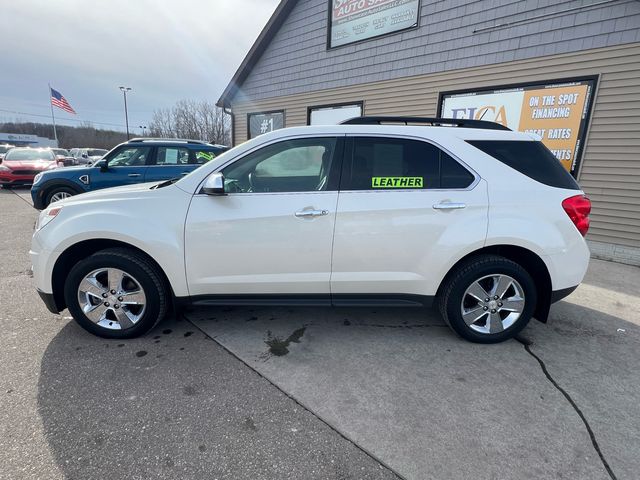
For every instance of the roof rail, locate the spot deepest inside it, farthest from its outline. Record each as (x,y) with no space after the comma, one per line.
(155,139)
(436,122)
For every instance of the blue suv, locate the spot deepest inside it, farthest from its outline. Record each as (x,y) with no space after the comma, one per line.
(136,161)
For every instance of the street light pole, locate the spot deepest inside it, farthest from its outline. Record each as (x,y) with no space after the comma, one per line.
(126,113)
(143,129)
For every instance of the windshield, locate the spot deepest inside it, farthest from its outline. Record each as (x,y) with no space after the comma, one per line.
(60,151)
(18,154)
(96,152)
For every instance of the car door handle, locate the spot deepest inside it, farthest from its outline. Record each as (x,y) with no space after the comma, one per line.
(449,206)
(134,175)
(311,213)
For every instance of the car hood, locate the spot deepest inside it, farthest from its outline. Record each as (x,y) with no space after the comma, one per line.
(108,194)
(67,172)
(28,164)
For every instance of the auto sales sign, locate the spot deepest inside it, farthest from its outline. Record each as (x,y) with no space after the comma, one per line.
(556,111)
(355,20)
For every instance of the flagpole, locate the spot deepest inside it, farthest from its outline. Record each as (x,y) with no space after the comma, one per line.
(53,118)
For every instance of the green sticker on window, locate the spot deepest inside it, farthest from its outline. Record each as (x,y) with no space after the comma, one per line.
(397,182)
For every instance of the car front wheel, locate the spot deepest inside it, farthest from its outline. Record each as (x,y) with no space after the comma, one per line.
(116,293)
(488,299)
(59,193)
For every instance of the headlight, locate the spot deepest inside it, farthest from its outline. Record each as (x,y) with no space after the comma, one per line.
(4,169)
(46,216)
(37,178)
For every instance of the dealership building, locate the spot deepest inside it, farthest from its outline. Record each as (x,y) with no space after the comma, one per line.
(568,71)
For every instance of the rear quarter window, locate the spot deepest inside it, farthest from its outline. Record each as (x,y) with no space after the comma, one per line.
(530,158)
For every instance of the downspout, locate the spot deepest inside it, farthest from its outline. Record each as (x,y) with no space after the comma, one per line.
(229,112)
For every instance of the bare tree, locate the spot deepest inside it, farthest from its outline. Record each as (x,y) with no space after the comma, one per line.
(192,119)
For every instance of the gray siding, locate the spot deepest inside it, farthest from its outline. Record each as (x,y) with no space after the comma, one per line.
(610,171)
(297,60)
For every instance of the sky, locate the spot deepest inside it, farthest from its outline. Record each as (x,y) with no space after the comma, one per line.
(164,50)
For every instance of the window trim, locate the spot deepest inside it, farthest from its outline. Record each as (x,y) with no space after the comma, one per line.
(349,136)
(338,162)
(266,112)
(359,103)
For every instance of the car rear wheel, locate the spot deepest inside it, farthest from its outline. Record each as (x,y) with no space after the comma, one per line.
(59,193)
(116,293)
(488,299)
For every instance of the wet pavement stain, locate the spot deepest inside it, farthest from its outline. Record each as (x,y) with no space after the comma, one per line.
(279,347)
(189,390)
(202,448)
(252,319)
(188,334)
(249,424)
(141,353)
(167,331)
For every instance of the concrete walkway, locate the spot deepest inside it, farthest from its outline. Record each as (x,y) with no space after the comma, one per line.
(563,402)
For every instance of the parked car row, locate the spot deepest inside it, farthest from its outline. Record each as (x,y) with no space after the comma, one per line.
(136,161)
(21,164)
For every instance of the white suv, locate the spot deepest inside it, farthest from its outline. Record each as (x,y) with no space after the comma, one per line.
(482,221)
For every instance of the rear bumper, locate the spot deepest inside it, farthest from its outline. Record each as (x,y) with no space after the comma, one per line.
(49,301)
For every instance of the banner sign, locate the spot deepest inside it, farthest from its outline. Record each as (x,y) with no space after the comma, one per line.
(354,20)
(556,111)
(259,123)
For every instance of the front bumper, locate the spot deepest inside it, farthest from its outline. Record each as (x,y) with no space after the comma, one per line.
(49,301)
(10,179)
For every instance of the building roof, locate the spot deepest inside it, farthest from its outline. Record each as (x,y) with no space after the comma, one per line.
(258,48)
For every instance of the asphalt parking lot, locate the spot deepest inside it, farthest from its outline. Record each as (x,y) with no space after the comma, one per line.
(317,393)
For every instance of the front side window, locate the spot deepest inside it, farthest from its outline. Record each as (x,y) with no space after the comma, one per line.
(129,157)
(172,156)
(300,165)
(378,163)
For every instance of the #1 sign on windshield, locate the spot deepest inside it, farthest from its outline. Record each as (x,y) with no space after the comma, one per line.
(557,112)
(355,20)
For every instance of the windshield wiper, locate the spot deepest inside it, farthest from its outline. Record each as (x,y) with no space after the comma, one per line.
(166,183)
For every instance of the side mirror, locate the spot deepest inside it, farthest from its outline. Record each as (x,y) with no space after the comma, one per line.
(214,184)
(102,164)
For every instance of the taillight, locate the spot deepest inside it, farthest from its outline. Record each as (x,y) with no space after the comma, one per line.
(578,209)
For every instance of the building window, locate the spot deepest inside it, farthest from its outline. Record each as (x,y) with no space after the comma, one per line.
(556,110)
(264,122)
(352,21)
(333,114)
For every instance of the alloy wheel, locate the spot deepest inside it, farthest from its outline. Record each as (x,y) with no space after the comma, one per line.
(492,303)
(112,298)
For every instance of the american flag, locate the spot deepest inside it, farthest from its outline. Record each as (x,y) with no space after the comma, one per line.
(57,100)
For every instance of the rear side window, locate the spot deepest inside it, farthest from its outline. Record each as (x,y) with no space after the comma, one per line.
(530,158)
(378,163)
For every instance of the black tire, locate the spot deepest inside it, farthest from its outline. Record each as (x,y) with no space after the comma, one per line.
(450,298)
(55,190)
(146,273)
